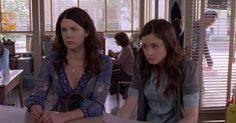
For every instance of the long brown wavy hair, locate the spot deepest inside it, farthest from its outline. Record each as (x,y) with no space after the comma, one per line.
(92,59)
(171,63)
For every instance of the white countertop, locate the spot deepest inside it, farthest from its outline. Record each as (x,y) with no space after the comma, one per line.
(11,114)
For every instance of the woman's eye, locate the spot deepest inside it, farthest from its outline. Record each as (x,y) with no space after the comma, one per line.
(74,29)
(155,46)
(63,29)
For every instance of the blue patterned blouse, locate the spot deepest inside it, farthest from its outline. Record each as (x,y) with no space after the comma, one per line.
(93,89)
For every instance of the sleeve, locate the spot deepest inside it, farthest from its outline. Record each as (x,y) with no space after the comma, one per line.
(41,86)
(190,80)
(94,106)
(124,54)
(191,100)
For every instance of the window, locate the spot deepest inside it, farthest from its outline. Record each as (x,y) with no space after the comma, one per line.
(96,9)
(53,8)
(108,15)
(16,22)
(161,9)
(118,15)
(22,41)
(216,81)
(15,15)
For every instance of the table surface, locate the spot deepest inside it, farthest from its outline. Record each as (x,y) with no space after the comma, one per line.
(20,115)
(8,78)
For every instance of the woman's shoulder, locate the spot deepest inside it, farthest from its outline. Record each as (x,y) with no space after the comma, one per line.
(188,64)
(105,58)
(188,61)
(106,61)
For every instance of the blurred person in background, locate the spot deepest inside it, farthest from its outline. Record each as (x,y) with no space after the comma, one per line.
(210,17)
(123,63)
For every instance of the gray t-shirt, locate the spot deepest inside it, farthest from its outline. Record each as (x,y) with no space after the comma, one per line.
(162,109)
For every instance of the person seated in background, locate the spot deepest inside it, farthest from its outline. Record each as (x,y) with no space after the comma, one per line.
(81,74)
(4,67)
(165,83)
(122,64)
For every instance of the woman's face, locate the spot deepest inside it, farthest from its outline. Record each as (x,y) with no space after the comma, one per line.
(73,34)
(153,48)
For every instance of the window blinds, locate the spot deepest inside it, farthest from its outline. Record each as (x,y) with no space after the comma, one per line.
(216,82)
(108,15)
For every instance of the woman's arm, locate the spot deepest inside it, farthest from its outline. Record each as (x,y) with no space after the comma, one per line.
(41,86)
(90,106)
(190,92)
(129,107)
(190,108)
(191,115)
(94,105)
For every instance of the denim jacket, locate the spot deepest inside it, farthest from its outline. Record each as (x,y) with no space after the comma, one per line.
(93,88)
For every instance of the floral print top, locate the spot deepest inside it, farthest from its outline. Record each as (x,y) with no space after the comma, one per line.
(93,89)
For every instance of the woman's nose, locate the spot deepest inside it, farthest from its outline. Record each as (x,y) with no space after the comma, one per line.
(68,33)
(149,51)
